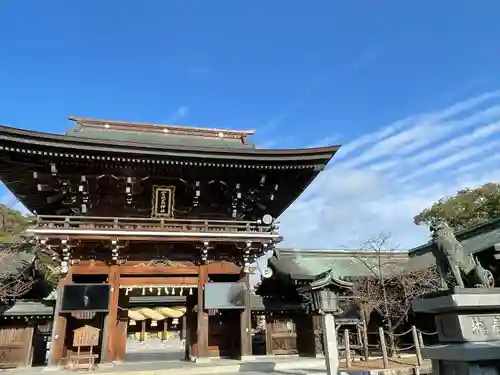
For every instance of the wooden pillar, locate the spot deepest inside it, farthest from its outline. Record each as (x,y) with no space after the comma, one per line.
(184,328)
(246,320)
(318,335)
(142,336)
(164,335)
(186,337)
(269,335)
(122,340)
(202,316)
(111,333)
(59,326)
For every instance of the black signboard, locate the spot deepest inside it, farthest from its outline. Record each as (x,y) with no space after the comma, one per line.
(163,201)
(85,297)
(225,295)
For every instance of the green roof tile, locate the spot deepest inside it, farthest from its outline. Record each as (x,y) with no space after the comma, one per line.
(164,139)
(303,263)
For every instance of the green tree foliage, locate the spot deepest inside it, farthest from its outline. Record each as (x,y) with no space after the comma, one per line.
(469,207)
(12,224)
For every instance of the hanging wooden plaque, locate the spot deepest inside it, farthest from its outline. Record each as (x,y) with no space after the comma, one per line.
(163,201)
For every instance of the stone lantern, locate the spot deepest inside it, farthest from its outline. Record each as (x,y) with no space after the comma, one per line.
(322,295)
(325,301)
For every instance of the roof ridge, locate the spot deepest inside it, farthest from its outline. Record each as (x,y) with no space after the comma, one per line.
(147,127)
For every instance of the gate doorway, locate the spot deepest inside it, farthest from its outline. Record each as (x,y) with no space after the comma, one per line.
(156,324)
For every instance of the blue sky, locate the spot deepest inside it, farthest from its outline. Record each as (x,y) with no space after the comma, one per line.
(408,88)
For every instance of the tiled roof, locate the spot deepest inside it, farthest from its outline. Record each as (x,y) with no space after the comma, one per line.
(307,264)
(164,139)
(29,308)
(159,134)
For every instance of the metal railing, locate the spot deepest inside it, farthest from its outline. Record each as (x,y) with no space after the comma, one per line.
(151,224)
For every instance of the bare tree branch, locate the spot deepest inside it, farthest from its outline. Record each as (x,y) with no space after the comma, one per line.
(390,288)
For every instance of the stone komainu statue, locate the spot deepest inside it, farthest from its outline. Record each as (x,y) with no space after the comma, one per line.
(451,257)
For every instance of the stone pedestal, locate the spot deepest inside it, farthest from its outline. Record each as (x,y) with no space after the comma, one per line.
(330,345)
(468,326)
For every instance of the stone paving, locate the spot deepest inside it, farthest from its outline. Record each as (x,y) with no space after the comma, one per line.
(154,350)
(165,358)
(265,366)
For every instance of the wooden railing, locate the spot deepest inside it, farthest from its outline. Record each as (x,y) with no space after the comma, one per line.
(151,224)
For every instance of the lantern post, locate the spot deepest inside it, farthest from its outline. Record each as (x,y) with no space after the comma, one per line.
(325,303)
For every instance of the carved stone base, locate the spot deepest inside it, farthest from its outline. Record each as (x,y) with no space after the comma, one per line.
(468,326)
(462,368)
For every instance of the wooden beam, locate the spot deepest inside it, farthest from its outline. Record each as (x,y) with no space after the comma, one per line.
(129,281)
(223,268)
(160,238)
(142,270)
(86,269)
(100,268)
(78,269)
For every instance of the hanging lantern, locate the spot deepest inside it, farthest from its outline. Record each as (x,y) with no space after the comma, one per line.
(159,292)
(154,323)
(175,321)
(190,291)
(131,323)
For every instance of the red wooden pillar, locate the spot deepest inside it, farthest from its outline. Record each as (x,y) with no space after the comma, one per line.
(269,335)
(111,332)
(202,316)
(246,321)
(122,339)
(59,327)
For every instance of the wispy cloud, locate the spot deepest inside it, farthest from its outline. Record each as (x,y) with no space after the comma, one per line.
(418,131)
(366,57)
(181,113)
(278,119)
(327,141)
(379,181)
(268,144)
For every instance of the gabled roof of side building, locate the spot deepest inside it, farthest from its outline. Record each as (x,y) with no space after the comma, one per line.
(308,263)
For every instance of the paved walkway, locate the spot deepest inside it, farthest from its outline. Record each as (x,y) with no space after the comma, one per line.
(258,366)
(154,350)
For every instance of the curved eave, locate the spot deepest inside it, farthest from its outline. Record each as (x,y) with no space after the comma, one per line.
(69,144)
(313,282)
(325,280)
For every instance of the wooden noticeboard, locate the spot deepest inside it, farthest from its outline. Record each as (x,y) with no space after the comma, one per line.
(86,336)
